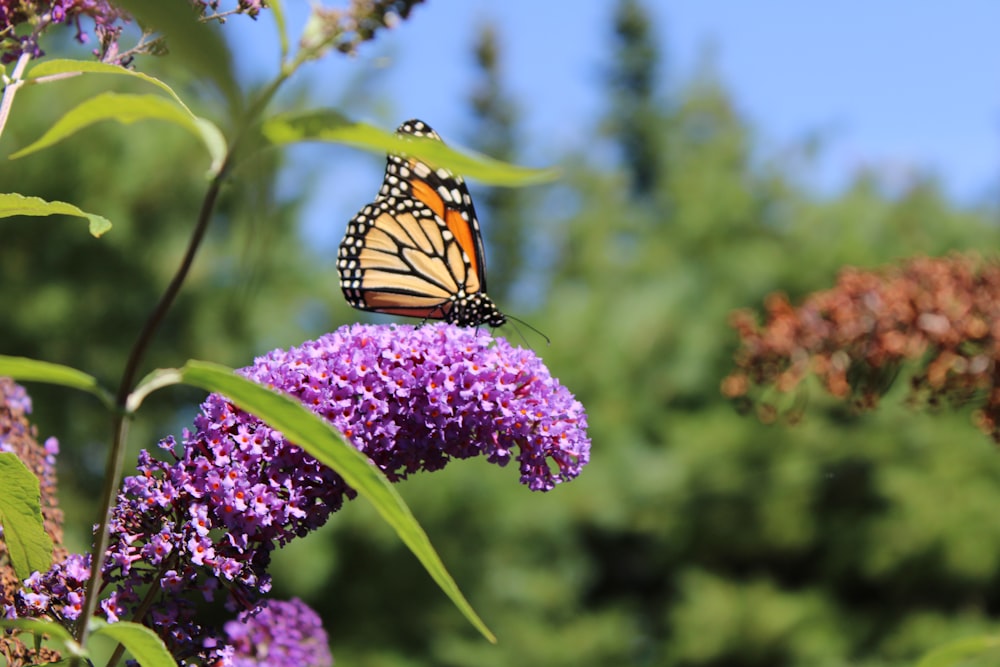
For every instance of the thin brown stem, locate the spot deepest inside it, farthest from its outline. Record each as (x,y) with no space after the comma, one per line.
(116,457)
(121,419)
(167,300)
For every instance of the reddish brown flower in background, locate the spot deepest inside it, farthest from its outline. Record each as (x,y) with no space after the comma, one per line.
(940,314)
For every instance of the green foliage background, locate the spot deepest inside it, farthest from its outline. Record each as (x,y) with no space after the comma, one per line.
(697,536)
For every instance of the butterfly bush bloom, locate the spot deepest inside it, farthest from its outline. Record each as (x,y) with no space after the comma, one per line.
(409,398)
(207,518)
(413,398)
(23,21)
(57,593)
(284,633)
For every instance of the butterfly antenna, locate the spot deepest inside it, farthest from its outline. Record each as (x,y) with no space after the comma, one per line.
(515,320)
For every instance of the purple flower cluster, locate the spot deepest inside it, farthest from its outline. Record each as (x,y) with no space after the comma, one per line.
(209,518)
(413,398)
(409,398)
(282,634)
(22,23)
(57,593)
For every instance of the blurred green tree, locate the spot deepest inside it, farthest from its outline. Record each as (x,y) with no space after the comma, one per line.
(634,80)
(502,210)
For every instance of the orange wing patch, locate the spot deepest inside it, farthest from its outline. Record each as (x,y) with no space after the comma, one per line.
(425,194)
(462,229)
(457,225)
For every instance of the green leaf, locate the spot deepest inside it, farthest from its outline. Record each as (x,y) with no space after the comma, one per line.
(328,446)
(24,535)
(161,377)
(198,46)
(208,132)
(144,645)
(334,127)
(60,638)
(23,368)
(127,108)
(954,653)
(15,204)
(48,68)
(214,141)
(278,12)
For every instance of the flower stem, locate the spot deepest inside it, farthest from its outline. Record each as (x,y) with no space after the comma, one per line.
(140,613)
(10,89)
(116,457)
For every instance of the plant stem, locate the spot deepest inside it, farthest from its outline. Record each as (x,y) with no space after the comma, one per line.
(10,90)
(140,612)
(116,457)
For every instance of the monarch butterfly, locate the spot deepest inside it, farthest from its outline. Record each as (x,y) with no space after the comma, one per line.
(417,249)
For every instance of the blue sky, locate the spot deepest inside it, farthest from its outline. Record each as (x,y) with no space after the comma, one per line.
(894,85)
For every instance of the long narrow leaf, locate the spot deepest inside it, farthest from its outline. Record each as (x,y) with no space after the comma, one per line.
(159,378)
(23,368)
(334,127)
(60,636)
(28,545)
(328,446)
(15,204)
(144,644)
(210,134)
(48,68)
(128,108)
